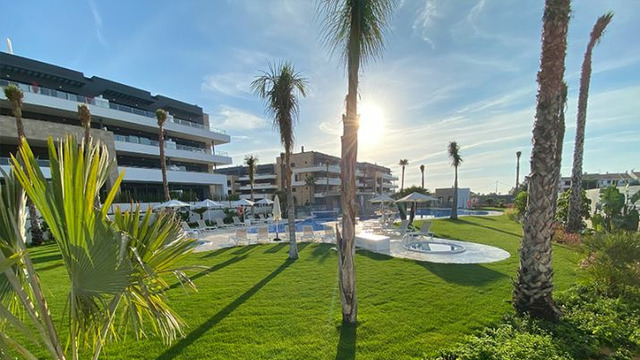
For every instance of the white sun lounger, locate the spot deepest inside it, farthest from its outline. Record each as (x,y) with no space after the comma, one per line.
(329,235)
(204,227)
(188,230)
(220,223)
(307,233)
(240,236)
(425,231)
(237,222)
(263,234)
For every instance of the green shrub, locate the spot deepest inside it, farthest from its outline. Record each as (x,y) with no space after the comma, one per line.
(613,262)
(562,209)
(512,214)
(520,203)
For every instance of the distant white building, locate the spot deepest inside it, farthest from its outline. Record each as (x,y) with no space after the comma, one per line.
(597,181)
(445,197)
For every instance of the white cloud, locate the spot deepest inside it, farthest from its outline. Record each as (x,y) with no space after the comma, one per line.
(237,84)
(230,118)
(426,18)
(97,19)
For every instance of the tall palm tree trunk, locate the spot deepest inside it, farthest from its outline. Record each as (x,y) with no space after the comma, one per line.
(422,171)
(454,205)
(163,165)
(291,213)
(36,231)
(346,242)
(402,181)
(533,287)
(574,217)
(518,154)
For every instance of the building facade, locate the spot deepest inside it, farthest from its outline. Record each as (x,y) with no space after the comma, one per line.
(316,179)
(123,119)
(445,197)
(596,181)
(264,183)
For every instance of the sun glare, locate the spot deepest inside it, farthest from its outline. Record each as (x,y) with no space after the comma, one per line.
(371,124)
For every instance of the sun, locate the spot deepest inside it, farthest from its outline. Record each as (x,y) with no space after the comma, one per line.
(371,124)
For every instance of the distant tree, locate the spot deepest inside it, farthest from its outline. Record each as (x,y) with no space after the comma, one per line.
(15,96)
(403,163)
(574,221)
(252,162)
(422,174)
(280,87)
(161,116)
(409,190)
(518,154)
(456,160)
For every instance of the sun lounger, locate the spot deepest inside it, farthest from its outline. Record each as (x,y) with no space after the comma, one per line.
(329,235)
(220,223)
(425,231)
(204,227)
(188,230)
(399,231)
(263,234)
(307,233)
(240,236)
(237,222)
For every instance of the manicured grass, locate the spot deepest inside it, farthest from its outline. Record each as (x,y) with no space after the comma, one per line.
(254,304)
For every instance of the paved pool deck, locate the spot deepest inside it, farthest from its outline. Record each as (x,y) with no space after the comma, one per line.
(474,253)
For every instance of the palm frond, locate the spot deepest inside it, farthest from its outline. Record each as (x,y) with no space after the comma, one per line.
(454,154)
(358,25)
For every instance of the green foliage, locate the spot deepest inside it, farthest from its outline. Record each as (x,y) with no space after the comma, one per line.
(613,261)
(616,214)
(562,208)
(233,197)
(520,203)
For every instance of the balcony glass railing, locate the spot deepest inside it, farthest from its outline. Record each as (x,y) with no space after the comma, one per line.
(167,144)
(7,161)
(35,89)
(169,168)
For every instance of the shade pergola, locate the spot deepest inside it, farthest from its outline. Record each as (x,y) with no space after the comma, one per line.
(207,204)
(264,201)
(381,199)
(416,197)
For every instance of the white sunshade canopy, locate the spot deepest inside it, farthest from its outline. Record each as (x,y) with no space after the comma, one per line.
(417,197)
(277,214)
(264,201)
(243,202)
(380,199)
(173,204)
(208,204)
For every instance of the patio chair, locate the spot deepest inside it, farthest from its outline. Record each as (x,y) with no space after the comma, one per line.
(264,219)
(188,230)
(240,235)
(220,223)
(204,227)
(237,222)
(425,231)
(329,235)
(263,234)
(307,233)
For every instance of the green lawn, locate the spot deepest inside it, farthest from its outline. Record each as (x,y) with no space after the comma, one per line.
(254,304)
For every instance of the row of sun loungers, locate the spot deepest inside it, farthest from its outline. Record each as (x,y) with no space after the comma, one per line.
(263,236)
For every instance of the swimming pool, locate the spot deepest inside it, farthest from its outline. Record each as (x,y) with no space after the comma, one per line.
(317,225)
(444,212)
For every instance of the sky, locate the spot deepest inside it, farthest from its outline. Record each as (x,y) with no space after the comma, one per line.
(460,71)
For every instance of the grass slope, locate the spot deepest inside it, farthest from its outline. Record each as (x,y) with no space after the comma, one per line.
(254,304)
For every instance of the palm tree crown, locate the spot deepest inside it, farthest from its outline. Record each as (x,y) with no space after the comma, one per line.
(454,154)
(279,87)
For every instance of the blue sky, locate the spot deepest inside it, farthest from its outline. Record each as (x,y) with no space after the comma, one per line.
(452,70)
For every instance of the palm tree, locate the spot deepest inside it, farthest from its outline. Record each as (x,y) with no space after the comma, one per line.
(252,162)
(84,114)
(112,282)
(456,160)
(15,96)
(518,154)
(422,173)
(280,87)
(403,163)
(161,116)
(534,286)
(356,29)
(574,218)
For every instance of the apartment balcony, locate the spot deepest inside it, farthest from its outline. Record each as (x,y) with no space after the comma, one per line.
(256,196)
(389,186)
(321,168)
(326,194)
(5,165)
(142,146)
(258,177)
(146,175)
(259,187)
(389,177)
(40,99)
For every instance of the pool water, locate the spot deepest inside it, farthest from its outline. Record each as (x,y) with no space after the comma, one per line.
(443,212)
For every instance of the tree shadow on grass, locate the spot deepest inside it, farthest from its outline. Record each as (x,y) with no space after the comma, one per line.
(463,274)
(245,249)
(216,252)
(46,258)
(321,252)
(274,249)
(176,349)
(347,343)
(486,227)
(212,269)
(373,255)
(50,267)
